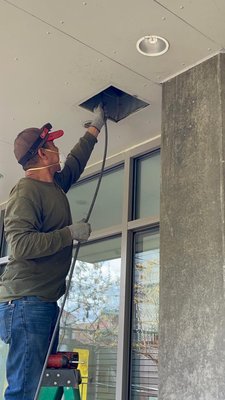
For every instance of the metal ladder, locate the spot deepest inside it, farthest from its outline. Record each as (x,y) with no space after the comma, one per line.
(59,382)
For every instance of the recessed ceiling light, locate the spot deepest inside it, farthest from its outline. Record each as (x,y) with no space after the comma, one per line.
(152,45)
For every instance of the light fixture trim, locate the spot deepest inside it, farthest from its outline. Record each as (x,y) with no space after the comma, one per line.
(152,45)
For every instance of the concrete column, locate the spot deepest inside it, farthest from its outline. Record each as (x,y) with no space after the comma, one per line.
(192,286)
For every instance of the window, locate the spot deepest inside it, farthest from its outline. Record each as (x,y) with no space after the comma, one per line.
(91,315)
(147,188)
(145,312)
(107,210)
(3,356)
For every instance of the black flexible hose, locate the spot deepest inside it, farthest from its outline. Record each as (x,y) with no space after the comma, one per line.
(73,266)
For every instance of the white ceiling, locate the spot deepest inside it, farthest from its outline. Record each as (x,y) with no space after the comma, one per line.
(57,53)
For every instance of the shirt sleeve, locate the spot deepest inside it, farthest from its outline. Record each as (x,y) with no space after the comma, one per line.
(76,162)
(23,224)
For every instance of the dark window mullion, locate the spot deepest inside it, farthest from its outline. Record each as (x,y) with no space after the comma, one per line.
(2,236)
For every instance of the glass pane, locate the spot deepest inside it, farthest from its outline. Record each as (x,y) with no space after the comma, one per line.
(90,320)
(3,356)
(145,300)
(147,194)
(5,247)
(107,210)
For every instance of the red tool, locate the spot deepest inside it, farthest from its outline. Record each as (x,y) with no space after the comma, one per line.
(63,359)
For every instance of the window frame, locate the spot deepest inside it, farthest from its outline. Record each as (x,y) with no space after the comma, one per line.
(127,229)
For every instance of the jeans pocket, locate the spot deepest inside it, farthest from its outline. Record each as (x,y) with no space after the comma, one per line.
(6,317)
(40,317)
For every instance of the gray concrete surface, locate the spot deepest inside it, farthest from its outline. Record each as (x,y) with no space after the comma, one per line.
(192,312)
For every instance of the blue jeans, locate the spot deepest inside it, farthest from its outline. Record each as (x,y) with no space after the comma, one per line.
(26,325)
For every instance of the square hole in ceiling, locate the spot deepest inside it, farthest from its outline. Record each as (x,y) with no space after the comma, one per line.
(118,103)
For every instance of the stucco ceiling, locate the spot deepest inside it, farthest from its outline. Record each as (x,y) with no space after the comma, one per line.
(55,54)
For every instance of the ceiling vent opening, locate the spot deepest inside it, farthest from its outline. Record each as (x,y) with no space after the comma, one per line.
(118,104)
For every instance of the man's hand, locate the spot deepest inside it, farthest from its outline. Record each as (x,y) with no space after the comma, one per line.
(99,118)
(80,231)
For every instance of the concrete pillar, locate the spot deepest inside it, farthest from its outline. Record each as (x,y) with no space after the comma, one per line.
(192,285)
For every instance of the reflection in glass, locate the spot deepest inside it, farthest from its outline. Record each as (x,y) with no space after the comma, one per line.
(147,192)
(144,354)
(90,319)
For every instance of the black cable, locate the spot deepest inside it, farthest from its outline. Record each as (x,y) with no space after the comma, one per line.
(73,266)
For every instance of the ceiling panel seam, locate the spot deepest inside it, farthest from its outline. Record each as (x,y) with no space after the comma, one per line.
(80,41)
(187,23)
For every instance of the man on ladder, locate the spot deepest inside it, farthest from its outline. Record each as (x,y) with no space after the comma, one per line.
(40,233)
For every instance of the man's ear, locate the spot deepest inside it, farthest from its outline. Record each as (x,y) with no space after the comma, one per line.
(42,153)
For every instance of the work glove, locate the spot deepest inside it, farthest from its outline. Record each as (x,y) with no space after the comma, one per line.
(99,118)
(80,231)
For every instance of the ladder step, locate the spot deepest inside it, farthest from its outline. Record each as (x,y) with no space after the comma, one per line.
(61,377)
(52,393)
(59,382)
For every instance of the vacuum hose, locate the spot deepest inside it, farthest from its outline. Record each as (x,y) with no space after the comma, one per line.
(72,266)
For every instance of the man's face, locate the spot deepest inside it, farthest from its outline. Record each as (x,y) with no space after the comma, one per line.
(52,152)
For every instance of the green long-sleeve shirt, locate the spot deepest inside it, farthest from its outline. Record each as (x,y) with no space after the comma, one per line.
(36,227)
